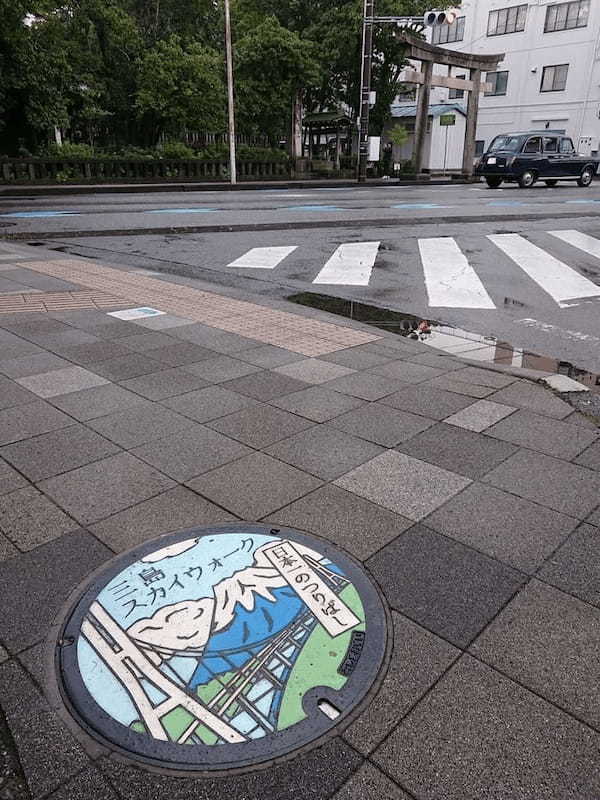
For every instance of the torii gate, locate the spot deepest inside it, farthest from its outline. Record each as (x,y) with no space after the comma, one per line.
(429,55)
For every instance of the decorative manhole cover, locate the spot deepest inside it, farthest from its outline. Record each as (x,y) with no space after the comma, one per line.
(223,647)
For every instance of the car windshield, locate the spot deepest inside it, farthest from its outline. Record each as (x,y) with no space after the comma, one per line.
(511,143)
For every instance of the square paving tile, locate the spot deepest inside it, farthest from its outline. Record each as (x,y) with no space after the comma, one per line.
(565,487)
(207,404)
(143,342)
(484,377)
(179,353)
(130,366)
(254,486)
(61,342)
(358,358)
(44,576)
(58,451)
(260,426)
(268,356)
(15,347)
(191,452)
(523,394)
(141,424)
(427,401)
(265,386)
(317,403)
(166,383)
(575,566)
(7,549)
(418,659)
(61,381)
(30,420)
(31,365)
(97,490)
(594,519)
(449,383)
(458,450)
(98,402)
(407,372)
(479,416)
(28,519)
(312,370)
(479,735)
(10,479)
(176,509)
(213,338)
(348,521)
(324,451)
(590,457)
(365,385)
(11,394)
(222,368)
(95,352)
(403,484)
(163,322)
(446,587)
(549,642)
(546,435)
(380,424)
(369,783)
(432,359)
(502,525)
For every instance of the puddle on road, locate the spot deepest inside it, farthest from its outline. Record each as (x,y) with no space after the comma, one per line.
(487,349)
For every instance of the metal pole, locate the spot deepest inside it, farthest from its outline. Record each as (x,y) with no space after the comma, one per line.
(365,88)
(230,104)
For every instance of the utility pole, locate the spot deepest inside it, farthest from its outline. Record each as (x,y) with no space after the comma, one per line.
(230,103)
(365,88)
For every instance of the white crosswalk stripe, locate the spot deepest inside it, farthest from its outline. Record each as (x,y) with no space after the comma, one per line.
(450,280)
(263,257)
(588,244)
(556,278)
(350,265)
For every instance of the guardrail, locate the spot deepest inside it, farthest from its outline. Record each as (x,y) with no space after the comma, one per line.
(109,170)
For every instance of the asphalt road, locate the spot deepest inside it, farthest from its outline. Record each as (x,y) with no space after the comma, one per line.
(523,266)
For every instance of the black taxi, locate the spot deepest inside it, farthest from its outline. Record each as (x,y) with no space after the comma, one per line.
(545,155)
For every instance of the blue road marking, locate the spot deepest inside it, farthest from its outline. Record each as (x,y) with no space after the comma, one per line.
(26,214)
(507,203)
(420,206)
(313,208)
(583,201)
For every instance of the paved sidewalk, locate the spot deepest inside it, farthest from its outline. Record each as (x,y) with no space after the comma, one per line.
(471,496)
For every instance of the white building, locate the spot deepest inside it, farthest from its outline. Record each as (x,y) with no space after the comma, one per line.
(550,77)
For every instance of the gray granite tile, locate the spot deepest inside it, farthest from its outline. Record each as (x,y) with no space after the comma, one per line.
(7,549)
(458,450)
(479,416)
(61,381)
(444,362)
(166,383)
(48,753)
(163,322)
(173,510)
(15,347)
(190,453)
(358,358)
(268,356)
(575,566)
(317,403)
(30,420)
(546,435)
(549,642)
(34,325)
(59,342)
(207,404)
(594,518)
(479,735)
(565,487)
(513,530)
(524,394)
(254,486)
(348,521)
(115,329)
(449,383)
(10,478)
(418,659)
(143,342)
(403,484)
(365,385)
(88,785)
(590,457)
(324,451)
(31,365)
(427,400)
(312,370)
(260,425)
(369,783)
(97,402)
(484,377)
(141,424)
(222,368)
(3,655)
(213,338)
(95,352)
(178,354)
(441,584)
(44,576)
(11,394)
(97,490)
(28,519)
(406,371)
(381,424)
(265,385)
(130,366)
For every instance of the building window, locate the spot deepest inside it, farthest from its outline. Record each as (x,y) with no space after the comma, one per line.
(446,34)
(554,78)
(507,20)
(457,94)
(565,16)
(480,147)
(498,81)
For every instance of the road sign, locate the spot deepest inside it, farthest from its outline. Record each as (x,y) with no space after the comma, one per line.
(447,120)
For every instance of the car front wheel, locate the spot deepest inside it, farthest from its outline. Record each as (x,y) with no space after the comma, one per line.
(527,179)
(493,183)
(586,178)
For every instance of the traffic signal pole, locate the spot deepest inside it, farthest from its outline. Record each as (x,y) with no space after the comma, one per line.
(365,88)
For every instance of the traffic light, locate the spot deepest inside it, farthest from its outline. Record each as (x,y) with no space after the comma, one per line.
(433,19)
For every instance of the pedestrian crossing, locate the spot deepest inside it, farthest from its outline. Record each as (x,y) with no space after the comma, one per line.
(450,278)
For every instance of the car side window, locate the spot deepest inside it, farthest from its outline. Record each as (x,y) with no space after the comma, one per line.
(550,144)
(566,146)
(534,145)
